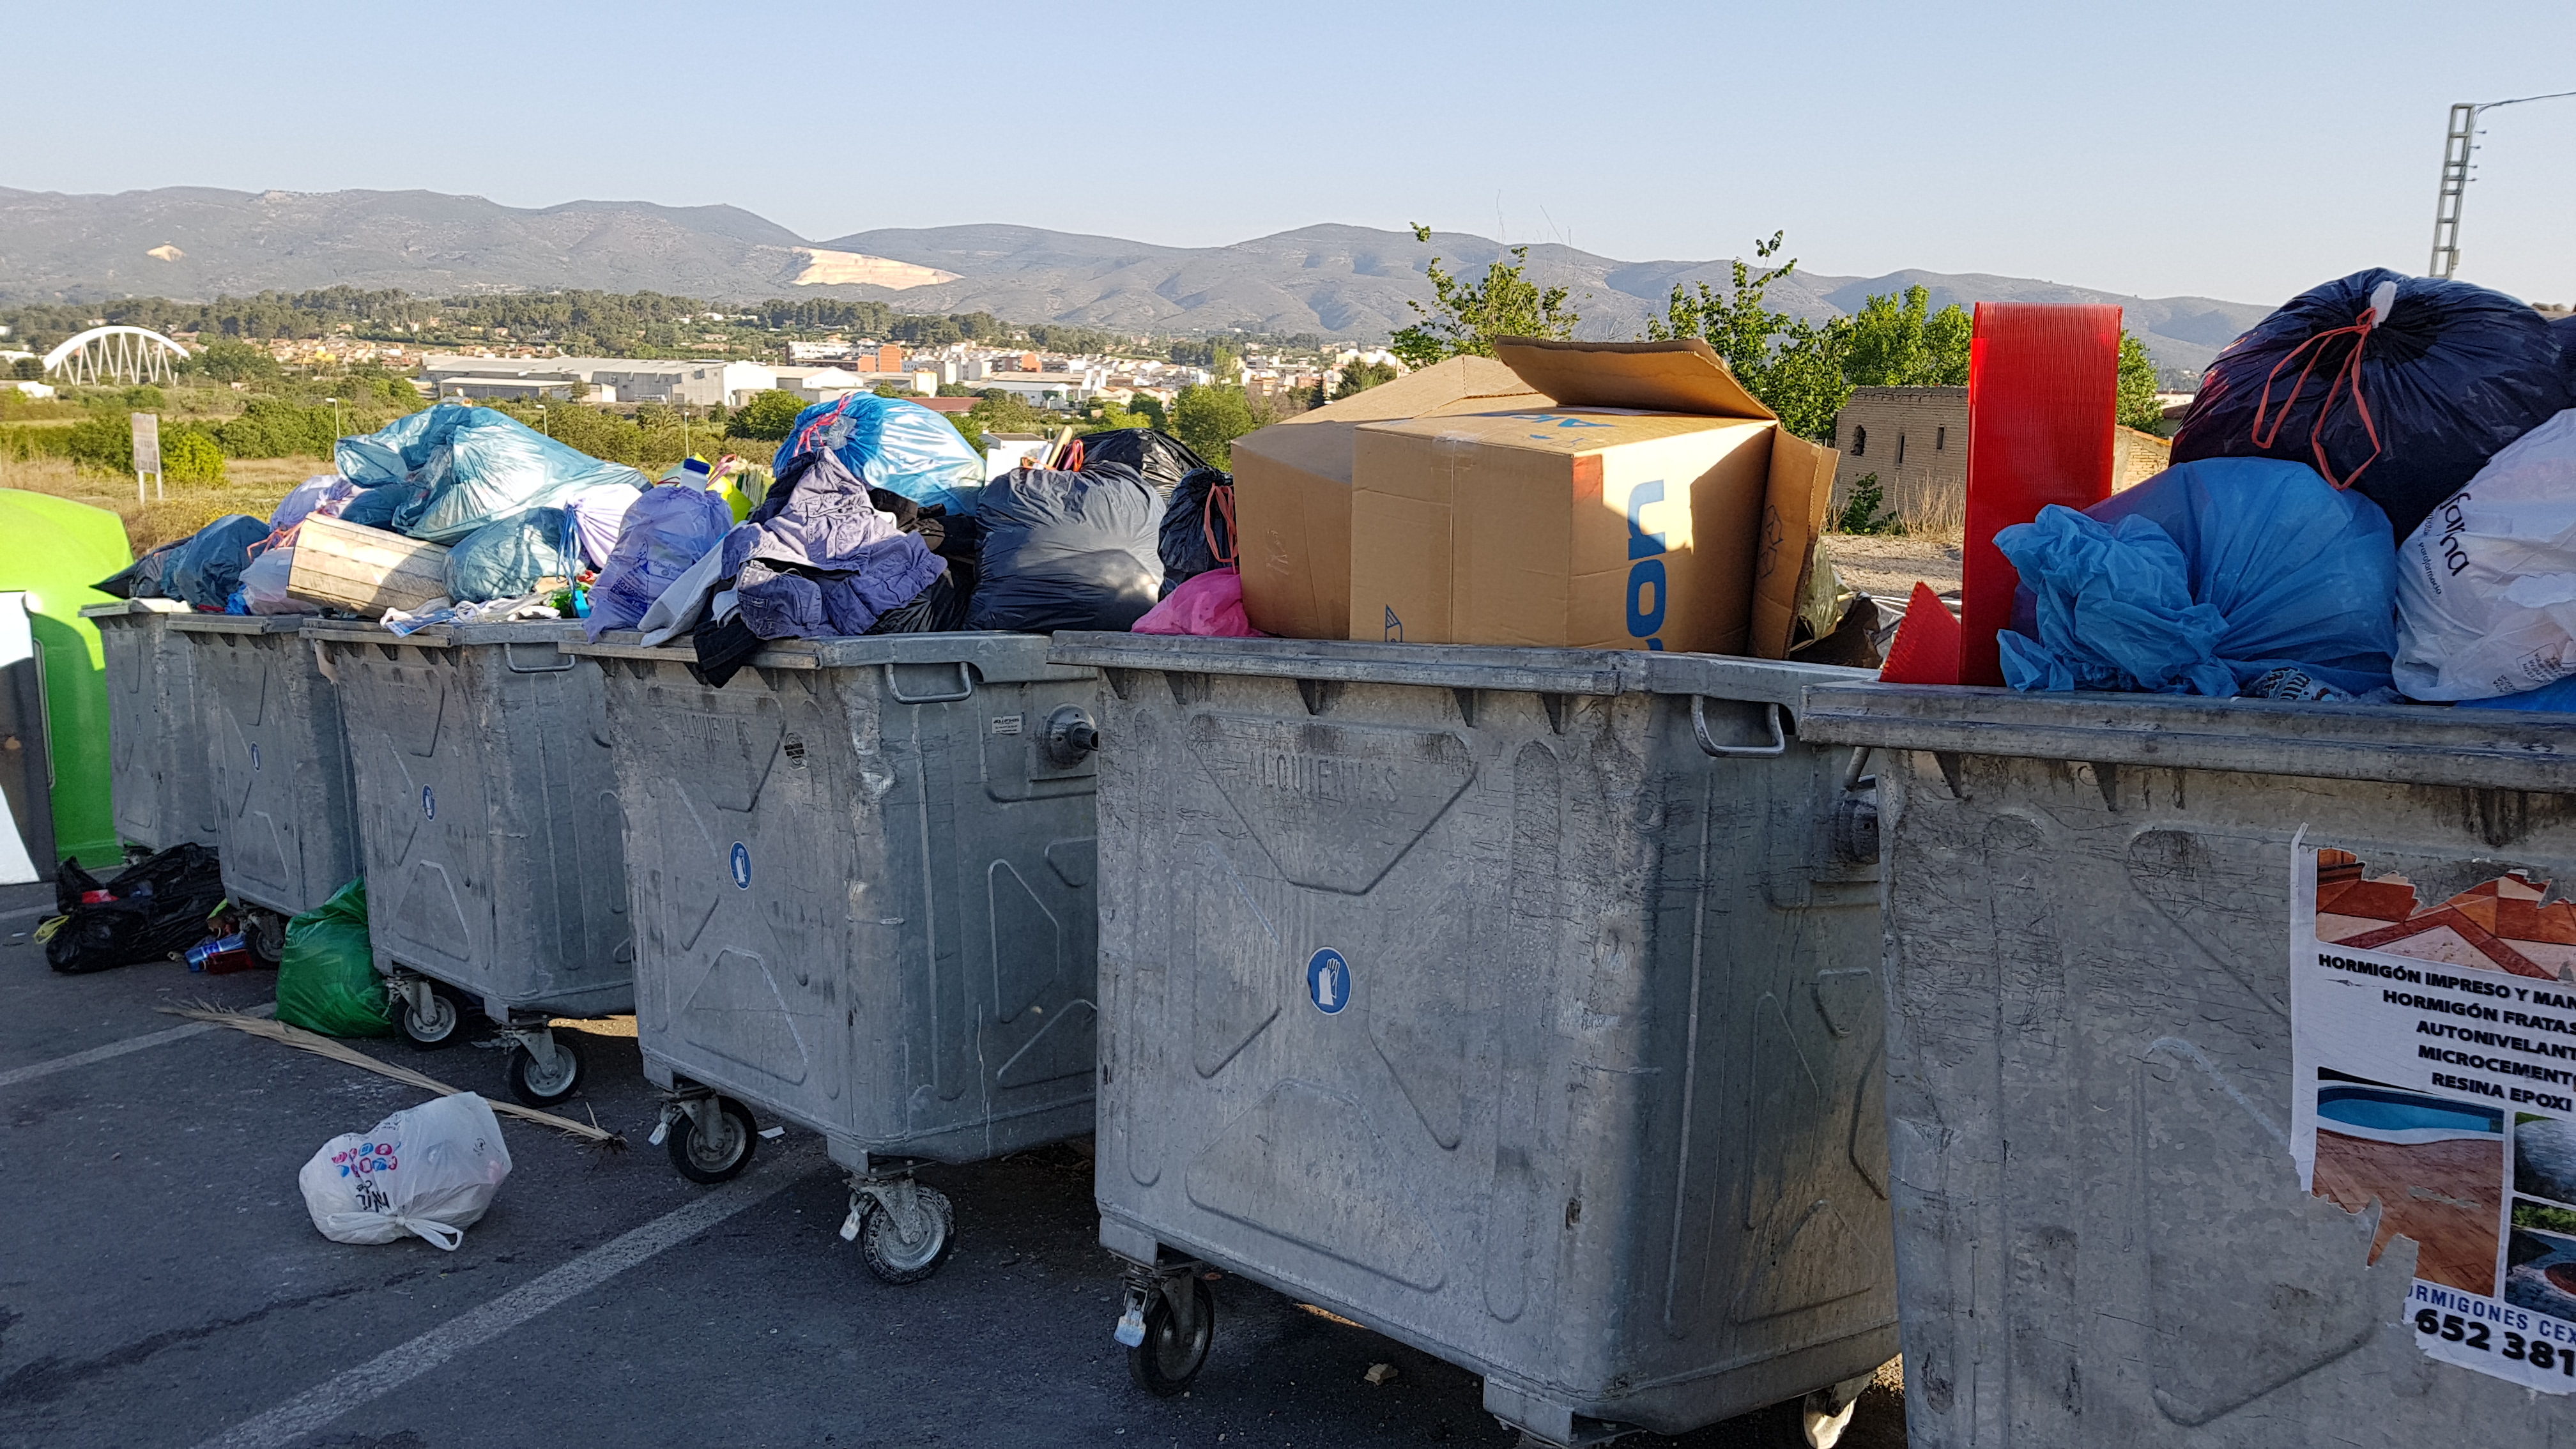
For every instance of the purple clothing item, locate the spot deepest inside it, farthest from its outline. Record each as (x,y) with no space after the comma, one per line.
(826,562)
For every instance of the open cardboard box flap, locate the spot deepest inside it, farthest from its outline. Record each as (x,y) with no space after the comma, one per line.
(1684,376)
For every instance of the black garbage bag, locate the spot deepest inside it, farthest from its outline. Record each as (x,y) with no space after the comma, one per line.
(146,578)
(1067,550)
(2564,329)
(937,609)
(209,565)
(157,905)
(2404,408)
(1159,458)
(959,541)
(1198,527)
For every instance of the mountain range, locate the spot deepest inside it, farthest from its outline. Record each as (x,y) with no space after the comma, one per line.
(1340,281)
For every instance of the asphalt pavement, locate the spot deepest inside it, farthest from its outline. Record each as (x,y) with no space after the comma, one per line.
(162,1285)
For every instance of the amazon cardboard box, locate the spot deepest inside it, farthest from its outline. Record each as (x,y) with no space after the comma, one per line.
(1292,491)
(1655,504)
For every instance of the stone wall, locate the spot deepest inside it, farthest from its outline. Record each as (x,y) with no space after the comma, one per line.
(1915,440)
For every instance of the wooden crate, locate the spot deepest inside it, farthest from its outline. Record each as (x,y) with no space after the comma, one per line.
(364,570)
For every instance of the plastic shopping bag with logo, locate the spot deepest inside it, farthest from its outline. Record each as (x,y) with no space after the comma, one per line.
(430,1170)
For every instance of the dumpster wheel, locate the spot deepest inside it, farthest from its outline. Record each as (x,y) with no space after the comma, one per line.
(713,1156)
(264,932)
(890,1254)
(431,1023)
(1174,1350)
(539,1086)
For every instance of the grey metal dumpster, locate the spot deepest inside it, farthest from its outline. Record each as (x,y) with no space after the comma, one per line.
(2102,964)
(160,776)
(283,820)
(496,871)
(1519,1004)
(863,874)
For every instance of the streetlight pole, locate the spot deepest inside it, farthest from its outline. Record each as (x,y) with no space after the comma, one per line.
(543,425)
(2459,143)
(337,432)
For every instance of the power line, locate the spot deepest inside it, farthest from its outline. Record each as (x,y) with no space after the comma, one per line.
(2459,143)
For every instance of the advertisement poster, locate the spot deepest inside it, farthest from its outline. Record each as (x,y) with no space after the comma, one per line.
(2434,1057)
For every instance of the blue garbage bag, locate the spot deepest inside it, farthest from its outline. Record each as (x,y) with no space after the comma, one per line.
(663,534)
(209,565)
(464,467)
(374,507)
(894,444)
(2223,577)
(2407,411)
(505,558)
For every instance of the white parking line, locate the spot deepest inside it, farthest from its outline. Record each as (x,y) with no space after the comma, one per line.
(20,915)
(29,1073)
(395,1367)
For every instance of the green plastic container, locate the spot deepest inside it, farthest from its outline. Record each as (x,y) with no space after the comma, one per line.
(54,549)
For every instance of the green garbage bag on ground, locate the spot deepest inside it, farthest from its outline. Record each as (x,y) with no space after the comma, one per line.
(326,976)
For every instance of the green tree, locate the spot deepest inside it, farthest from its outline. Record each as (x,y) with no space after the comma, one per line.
(1150,408)
(27,369)
(1209,419)
(1465,318)
(1794,366)
(2137,396)
(768,416)
(1359,377)
(225,360)
(1900,342)
(1102,414)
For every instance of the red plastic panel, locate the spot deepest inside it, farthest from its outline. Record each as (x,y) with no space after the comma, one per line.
(1926,650)
(2043,385)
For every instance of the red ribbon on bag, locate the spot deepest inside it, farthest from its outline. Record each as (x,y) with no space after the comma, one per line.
(2347,374)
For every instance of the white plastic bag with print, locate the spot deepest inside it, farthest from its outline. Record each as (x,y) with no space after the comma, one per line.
(430,1170)
(2486,586)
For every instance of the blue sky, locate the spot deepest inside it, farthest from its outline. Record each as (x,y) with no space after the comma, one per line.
(2241,150)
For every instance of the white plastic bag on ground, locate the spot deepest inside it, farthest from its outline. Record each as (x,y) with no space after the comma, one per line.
(2486,587)
(430,1170)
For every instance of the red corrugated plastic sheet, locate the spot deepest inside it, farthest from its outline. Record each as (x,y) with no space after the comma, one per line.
(1926,650)
(2043,386)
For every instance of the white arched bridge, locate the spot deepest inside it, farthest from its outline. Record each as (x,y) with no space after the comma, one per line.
(130,355)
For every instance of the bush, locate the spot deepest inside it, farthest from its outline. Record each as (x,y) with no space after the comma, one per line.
(103,442)
(275,428)
(1863,513)
(191,455)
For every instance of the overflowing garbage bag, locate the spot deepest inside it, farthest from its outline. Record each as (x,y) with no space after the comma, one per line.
(154,907)
(463,467)
(1198,526)
(374,507)
(209,566)
(263,584)
(147,577)
(893,444)
(430,1171)
(1209,605)
(2229,576)
(326,976)
(1159,458)
(507,558)
(1068,550)
(817,558)
(598,515)
(2486,586)
(667,529)
(2400,387)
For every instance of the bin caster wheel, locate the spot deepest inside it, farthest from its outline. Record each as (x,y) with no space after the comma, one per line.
(1173,1352)
(442,1025)
(537,1087)
(714,1157)
(264,932)
(898,1260)
(1826,1413)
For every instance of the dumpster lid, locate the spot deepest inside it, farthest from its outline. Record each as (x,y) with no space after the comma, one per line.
(999,657)
(442,636)
(134,606)
(195,623)
(1458,666)
(2394,743)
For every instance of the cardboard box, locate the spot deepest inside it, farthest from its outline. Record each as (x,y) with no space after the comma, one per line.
(1292,491)
(1655,505)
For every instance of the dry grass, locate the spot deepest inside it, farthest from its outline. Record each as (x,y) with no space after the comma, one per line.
(253,485)
(1886,566)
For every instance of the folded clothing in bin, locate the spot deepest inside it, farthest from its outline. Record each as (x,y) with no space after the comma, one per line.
(2230,576)
(1068,550)
(824,560)
(2486,597)
(2400,387)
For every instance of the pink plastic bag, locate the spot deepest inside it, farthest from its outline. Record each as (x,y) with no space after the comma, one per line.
(1209,605)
